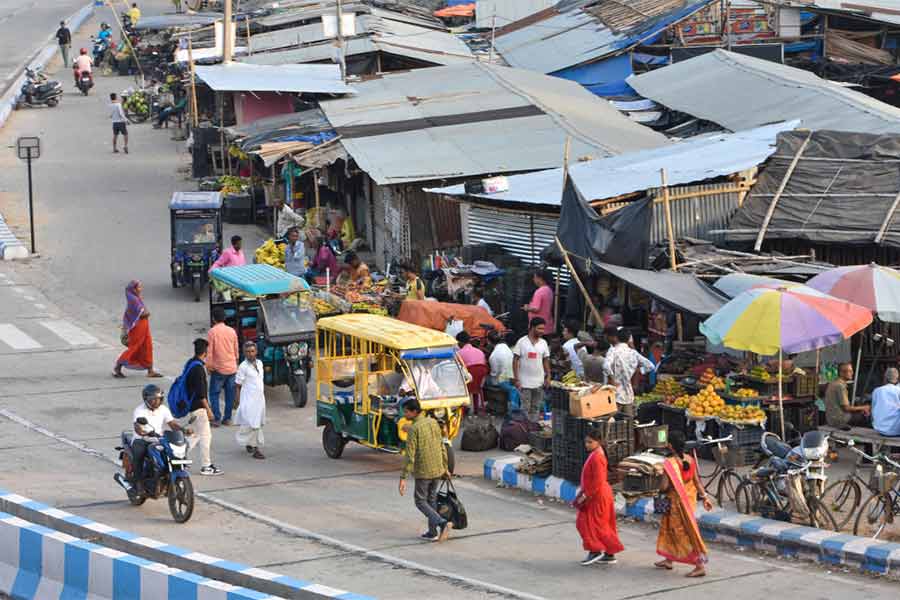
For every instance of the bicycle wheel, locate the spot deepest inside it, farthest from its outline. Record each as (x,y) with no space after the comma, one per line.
(820,516)
(843,498)
(746,497)
(873,517)
(707,471)
(729,482)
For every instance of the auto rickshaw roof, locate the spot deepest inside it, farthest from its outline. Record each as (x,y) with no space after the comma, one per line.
(387,331)
(259,279)
(196,201)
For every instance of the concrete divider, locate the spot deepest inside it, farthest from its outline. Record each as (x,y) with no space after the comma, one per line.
(49,550)
(10,246)
(745,531)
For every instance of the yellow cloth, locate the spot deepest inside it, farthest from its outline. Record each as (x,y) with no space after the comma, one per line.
(135,14)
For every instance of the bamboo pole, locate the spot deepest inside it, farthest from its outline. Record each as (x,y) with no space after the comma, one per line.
(584,292)
(673,260)
(195,109)
(565,176)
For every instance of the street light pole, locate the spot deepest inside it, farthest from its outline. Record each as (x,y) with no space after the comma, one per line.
(228,39)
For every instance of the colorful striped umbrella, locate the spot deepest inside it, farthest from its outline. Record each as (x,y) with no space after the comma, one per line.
(872,286)
(769,321)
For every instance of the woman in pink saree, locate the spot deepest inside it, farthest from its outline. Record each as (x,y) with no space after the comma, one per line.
(679,535)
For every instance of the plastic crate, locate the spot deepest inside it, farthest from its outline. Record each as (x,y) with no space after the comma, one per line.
(805,385)
(735,456)
(803,416)
(619,428)
(639,483)
(743,435)
(538,441)
(558,418)
(653,437)
(674,418)
(559,399)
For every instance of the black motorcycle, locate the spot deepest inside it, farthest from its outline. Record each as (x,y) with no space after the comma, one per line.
(38,90)
(85,82)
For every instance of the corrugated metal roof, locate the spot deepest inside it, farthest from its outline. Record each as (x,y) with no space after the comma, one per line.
(376,33)
(170,21)
(569,35)
(688,161)
(477,144)
(886,11)
(238,77)
(739,92)
(506,11)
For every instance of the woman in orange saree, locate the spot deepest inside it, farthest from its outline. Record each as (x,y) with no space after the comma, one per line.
(136,325)
(679,535)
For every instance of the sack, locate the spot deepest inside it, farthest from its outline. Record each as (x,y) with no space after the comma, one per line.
(479,435)
(179,400)
(661,504)
(123,337)
(454,327)
(450,507)
(515,430)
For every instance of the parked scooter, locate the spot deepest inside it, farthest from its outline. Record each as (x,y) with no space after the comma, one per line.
(163,474)
(38,90)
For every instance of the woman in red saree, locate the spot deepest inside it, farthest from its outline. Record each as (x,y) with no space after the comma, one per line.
(679,535)
(596,522)
(136,325)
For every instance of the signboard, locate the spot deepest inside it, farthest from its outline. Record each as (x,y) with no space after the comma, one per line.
(28,148)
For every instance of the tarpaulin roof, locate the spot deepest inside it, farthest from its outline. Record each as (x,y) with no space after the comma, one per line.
(843,190)
(578,31)
(739,92)
(239,77)
(457,10)
(308,120)
(679,290)
(472,119)
(691,160)
(885,11)
(172,21)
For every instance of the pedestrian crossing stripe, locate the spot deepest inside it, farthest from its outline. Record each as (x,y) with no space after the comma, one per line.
(17,339)
(70,333)
(13,337)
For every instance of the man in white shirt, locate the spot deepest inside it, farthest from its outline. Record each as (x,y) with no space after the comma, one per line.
(119,122)
(502,374)
(285,218)
(478,300)
(155,417)
(621,362)
(572,346)
(531,368)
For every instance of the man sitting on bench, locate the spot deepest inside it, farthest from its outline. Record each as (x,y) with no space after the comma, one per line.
(886,405)
(838,411)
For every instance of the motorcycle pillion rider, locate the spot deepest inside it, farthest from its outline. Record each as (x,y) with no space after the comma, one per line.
(84,63)
(155,417)
(105,33)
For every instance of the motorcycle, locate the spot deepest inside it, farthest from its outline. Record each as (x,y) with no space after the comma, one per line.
(164,472)
(99,50)
(38,90)
(85,82)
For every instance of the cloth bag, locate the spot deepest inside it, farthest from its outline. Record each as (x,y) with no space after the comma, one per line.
(450,507)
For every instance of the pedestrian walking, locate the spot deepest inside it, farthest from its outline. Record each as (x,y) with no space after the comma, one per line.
(136,334)
(119,122)
(200,414)
(251,410)
(222,363)
(426,461)
(531,368)
(679,535)
(596,521)
(64,38)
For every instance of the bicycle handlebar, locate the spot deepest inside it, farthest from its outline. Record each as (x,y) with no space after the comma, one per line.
(881,457)
(708,440)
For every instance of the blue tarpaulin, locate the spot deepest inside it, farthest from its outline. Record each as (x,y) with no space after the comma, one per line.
(603,78)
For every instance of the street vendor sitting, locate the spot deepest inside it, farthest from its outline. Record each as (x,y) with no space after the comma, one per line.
(838,410)
(355,272)
(469,354)
(324,261)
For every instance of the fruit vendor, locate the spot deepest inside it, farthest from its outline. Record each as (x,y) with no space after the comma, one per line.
(838,410)
(294,253)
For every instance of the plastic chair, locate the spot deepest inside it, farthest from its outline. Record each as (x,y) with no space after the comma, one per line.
(479,373)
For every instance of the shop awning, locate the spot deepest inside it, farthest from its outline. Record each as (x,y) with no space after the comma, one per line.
(678,290)
(240,77)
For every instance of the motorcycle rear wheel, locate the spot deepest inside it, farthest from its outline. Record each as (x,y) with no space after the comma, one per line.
(52,102)
(181,499)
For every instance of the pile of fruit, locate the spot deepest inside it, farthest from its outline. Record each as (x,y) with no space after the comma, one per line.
(650,397)
(706,403)
(759,372)
(668,388)
(369,307)
(136,103)
(709,378)
(746,393)
(271,253)
(323,308)
(742,414)
(682,401)
(570,378)
(232,184)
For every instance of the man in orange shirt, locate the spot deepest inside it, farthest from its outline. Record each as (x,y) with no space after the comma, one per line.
(221,362)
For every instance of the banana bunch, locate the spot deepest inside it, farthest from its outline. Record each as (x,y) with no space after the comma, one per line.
(270,253)
(570,378)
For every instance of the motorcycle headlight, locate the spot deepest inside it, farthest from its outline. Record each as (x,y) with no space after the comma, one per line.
(178,451)
(293,350)
(440,413)
(815,453)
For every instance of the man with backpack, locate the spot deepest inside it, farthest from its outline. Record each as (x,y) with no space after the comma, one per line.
(188,401)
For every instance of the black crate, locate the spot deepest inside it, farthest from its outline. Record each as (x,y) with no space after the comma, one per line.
(735,456)
(559,399)
(538,441)
(653,437)
(743,435)
(559,421)
(674,418)
(803,416)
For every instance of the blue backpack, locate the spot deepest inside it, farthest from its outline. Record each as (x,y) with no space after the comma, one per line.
(178,398)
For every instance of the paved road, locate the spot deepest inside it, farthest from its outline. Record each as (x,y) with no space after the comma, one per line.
(103,221)
(25,25)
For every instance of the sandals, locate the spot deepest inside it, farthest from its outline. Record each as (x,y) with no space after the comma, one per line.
(258,454)
(697,573)
(663,565)
(118,375)
(154,374)
(249,449)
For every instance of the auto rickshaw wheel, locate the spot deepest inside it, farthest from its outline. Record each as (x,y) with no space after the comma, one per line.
(332,441)
(174,281)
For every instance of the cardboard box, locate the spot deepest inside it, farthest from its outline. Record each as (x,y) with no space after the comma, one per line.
(597,403)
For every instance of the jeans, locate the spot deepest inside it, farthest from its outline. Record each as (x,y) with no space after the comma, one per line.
(533,402)
(512,394)
(426,501)
(216,382)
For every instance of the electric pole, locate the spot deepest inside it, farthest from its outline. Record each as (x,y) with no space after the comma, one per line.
(339,7)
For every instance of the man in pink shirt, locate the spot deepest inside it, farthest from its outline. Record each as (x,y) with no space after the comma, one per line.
(541,304)
(469,354)
(231,257)
(221,362)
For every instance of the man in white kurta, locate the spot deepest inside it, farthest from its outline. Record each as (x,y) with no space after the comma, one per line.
(251,413)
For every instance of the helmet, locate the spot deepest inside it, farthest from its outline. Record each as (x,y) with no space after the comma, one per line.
(104,25)
(151,392)
(83,51)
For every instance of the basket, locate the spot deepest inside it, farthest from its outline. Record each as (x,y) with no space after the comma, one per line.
(805,385)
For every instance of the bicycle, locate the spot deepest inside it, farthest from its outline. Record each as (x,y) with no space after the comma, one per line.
(724,477)
(879,510)
(844,496)
(772,492)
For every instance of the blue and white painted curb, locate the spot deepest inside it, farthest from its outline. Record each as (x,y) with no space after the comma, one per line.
(746,531)
(34,558)
(10,246)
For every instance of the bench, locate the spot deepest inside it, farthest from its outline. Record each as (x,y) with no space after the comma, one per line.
(864,435)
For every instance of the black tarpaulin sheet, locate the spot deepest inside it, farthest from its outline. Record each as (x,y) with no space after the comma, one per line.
(621,238)
(841,190)
(681,291)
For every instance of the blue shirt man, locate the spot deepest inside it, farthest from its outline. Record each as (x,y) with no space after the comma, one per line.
(886,405)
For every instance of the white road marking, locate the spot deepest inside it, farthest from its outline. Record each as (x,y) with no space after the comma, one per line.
(18,290)
(40,306)
(29,298)
(70,333)
(16,338)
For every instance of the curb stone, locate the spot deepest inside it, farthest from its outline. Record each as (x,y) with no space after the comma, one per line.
(745,531)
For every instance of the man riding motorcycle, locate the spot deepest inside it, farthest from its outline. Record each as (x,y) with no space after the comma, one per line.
(83,64)
(155,417)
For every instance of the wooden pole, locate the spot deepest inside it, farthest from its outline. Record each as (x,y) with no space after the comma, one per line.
(780,394)
(670,230)
(584,292)
(195,110)
(249,47)
(227,35)
(565,177)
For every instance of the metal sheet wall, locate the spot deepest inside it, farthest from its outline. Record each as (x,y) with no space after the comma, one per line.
(695,217)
